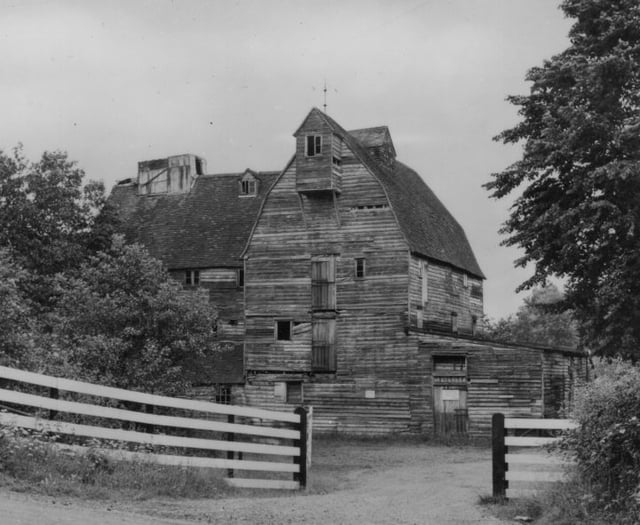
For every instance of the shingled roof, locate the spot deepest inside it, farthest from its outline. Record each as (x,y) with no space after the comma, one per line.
(206,227)
(427,225)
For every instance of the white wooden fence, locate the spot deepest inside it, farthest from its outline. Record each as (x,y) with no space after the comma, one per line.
(520,462)
(293,443)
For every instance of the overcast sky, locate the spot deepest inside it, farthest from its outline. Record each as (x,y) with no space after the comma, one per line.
(115,82)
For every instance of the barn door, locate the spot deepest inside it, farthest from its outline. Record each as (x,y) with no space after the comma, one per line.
(450,395)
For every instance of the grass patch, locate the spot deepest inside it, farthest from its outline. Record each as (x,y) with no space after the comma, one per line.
(35,465)
(562,504)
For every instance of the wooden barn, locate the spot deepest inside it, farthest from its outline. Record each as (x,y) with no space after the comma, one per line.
(343,283)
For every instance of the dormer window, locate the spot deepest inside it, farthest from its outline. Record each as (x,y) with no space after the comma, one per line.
(313,145)
(248,187)
(248,184)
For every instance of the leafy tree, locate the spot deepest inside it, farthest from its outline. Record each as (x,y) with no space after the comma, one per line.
(16,324)
(48,219)
(577,213)
(121,320)
(537,321)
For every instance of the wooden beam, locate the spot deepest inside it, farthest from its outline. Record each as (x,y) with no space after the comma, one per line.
(62,427)
(183,461)
(140,397)
(536,423)
(247,483)
(21,398)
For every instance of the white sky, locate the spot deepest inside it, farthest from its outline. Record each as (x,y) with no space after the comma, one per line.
(116,82)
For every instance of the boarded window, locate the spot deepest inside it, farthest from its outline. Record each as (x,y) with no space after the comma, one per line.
(360,267)
(424,270)
(294,392)
(323,353)
(313,145)
(323,284)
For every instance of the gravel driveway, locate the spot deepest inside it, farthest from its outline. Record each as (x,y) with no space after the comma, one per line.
(351,483)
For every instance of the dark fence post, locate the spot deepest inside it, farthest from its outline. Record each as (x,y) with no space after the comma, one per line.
(498,454)
(230,437)
(54,393)
(301,460)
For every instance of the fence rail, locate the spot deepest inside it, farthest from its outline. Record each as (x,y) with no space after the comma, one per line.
(521,458)
(292,448)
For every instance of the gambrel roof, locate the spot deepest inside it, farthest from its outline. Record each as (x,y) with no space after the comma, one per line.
(427,225)
(206,227)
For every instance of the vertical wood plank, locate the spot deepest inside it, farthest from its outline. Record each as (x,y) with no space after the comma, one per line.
(498,456)
(230,437)
(54,393)
(302,459)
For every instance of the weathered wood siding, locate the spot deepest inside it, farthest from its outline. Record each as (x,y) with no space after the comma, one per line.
(222,286)
(317,173)
(447,294)
(500,378)
(368,392)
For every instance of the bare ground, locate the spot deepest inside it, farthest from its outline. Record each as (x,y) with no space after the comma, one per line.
(352,482)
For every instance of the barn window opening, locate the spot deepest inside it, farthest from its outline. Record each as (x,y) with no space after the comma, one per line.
(449,363)
(223,394)
(240,278)
(336,162)
(283,330)
(192,277)
(360,267)
(313,145)
(454,322)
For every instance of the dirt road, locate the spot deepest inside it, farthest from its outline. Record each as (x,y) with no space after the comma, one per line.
(352,483)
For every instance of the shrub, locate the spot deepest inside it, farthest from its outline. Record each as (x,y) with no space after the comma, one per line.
(606,444)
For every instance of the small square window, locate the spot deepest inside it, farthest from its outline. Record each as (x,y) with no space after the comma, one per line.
(223,394)
(192,277)
(294,392)
(283,330)
(360,267)
(313,145)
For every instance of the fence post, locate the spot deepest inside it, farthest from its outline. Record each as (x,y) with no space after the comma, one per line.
(302,444)
(54,393)
(498,456)
(230,437)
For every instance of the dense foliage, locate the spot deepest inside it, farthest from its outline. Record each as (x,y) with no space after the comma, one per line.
(122,320)
(75,300)
(607,442)
(537,321)
(578,181)
(49,219)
